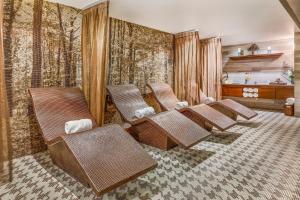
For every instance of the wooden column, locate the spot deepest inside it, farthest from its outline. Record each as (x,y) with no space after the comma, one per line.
(293,8)
(297,74)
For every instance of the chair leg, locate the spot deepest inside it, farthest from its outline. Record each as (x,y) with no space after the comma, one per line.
(198,120)
(225,111)
(62,157)
(148,134)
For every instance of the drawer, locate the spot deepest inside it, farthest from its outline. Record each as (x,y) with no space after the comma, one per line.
(232,91)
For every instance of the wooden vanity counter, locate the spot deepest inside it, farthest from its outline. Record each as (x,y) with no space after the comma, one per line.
(269,96)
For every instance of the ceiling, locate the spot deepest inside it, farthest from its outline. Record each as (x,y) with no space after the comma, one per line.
(235,21)
(76,3)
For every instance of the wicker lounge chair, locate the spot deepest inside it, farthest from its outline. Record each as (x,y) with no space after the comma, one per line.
(164,130)
(102,158)
(229,107)
(203,115)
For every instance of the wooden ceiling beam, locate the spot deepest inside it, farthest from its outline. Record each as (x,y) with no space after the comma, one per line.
(293,8)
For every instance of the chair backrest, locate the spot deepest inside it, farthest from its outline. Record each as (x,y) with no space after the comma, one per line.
(127,99)
(53,107)
(164,95)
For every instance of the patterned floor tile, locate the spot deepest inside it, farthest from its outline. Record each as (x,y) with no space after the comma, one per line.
(256,159)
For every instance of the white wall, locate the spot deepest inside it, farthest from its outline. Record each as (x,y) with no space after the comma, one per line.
(259,77)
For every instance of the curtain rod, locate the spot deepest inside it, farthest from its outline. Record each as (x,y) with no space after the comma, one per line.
(95,4)
(218,37)
(189,31)
(196,30)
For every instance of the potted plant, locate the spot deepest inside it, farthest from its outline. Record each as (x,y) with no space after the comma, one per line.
(253,48)
(291,75)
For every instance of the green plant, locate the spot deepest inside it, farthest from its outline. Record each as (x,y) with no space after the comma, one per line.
(291,75)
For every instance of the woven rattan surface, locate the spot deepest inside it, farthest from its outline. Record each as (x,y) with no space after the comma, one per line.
(231,106)
(55,106)
(164,95)
(181,129)
(127,99)
(109,156)
(167,99)
(238,108)
(215,118)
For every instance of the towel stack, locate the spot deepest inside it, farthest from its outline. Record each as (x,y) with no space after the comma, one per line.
(77,126)
(250,92)
(290,101)
(182,104)
(144,112)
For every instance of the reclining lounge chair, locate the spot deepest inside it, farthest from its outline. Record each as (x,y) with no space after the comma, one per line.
(164,130)
(229,107)
(203,115)
(102,158)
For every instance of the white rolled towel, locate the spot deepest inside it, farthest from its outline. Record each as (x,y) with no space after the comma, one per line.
(149,111)
(77,126)
(255,95)
(246,89)
(139,113)
(288,104)
(290,101)
(181,104)
(245,94)
(250,95)
(255,90)
(144,112)
(209,100)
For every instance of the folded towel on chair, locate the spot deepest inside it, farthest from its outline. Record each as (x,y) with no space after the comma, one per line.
(77,126)
(144,112)
(209,100)
(290,101)
(182,104)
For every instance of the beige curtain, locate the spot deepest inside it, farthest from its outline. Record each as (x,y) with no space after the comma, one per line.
(187,66)
(5,150)
(211,67)
(95,40)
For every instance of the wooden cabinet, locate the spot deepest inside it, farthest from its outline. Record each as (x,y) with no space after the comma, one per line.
(269,96)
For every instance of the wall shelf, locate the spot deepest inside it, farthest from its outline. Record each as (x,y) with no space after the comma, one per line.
(255,69)
(257,56)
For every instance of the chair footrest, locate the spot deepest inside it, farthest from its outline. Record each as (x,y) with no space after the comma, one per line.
(179,128)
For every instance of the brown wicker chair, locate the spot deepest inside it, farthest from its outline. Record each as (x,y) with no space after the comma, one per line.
(202,114)
(164,130)
(229,107)
(102,158)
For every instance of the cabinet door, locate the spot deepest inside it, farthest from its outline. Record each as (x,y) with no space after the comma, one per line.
(284,93)
(266,92)
(232,91)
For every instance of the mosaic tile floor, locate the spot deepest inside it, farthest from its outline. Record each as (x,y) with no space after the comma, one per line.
(258,159)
